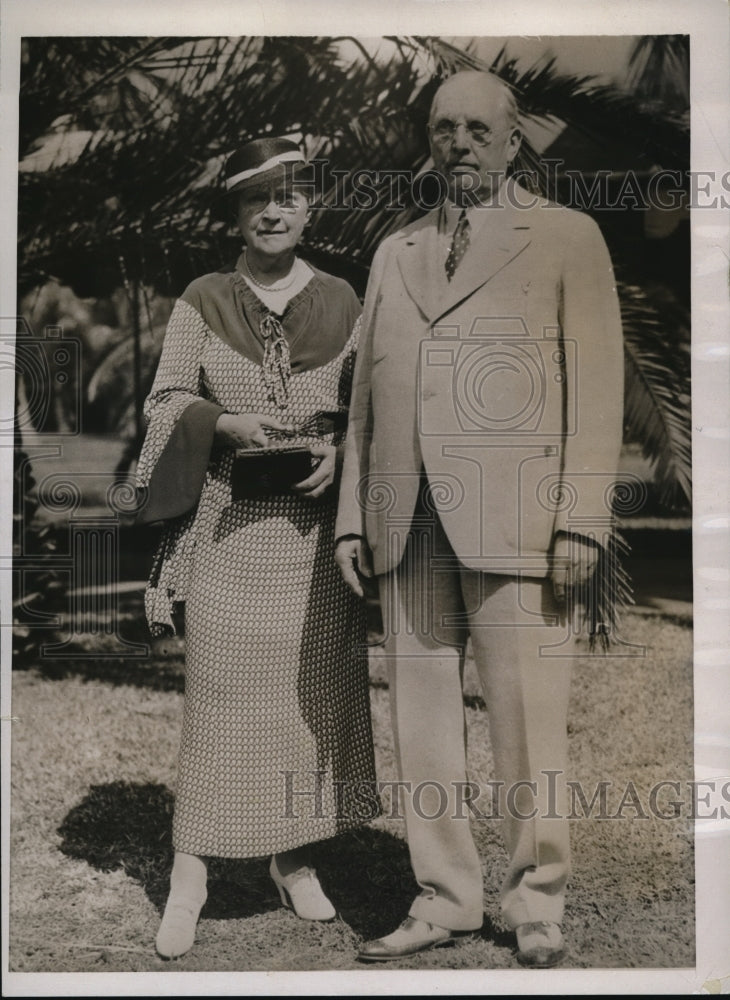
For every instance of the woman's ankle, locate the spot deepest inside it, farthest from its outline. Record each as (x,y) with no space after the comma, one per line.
(189,876)
(291,861)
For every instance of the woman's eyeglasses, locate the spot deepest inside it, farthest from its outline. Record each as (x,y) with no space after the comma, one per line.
(444,130)
(256,201)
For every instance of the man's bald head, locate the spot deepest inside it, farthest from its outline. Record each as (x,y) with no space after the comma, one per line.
(491,88)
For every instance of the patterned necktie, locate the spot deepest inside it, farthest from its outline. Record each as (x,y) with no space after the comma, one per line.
(459,245)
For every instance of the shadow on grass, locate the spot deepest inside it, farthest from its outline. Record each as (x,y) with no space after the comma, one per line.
(120,825)
(127,826)
(158,673)
(367,875)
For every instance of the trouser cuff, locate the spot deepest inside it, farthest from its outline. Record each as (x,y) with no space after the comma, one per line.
(443,913)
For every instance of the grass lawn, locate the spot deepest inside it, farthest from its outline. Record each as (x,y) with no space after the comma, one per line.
(93,774)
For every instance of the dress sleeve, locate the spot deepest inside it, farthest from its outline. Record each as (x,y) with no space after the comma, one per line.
(180,422)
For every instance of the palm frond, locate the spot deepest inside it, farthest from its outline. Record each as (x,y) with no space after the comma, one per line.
(657,394)
(659,69)
(602,600)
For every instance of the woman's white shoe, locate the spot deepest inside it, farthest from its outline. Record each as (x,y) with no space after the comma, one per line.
(177,930)
(300,891)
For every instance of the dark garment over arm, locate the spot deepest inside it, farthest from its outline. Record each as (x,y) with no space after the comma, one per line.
(178,477)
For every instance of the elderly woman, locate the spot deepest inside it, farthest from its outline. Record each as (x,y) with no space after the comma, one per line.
(245,420)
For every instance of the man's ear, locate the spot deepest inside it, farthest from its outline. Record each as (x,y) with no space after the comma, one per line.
(514,143)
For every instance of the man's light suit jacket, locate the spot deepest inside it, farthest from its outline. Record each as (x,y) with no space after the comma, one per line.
(505,384)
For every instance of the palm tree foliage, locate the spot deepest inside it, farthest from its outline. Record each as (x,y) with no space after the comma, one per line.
(140,128)
(657,401)
(144,185)
(659,70)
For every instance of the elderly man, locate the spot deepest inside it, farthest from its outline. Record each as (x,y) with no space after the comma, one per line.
(485,430)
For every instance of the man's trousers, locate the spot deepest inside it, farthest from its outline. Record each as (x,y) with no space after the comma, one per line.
(431,604)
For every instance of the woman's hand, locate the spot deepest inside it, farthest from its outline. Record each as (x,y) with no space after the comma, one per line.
(324,475)
(246,430)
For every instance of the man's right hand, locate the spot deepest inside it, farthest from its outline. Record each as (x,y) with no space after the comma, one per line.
(246,430)
(352,555)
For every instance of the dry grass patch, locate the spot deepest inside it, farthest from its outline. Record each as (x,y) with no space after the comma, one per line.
(93,769)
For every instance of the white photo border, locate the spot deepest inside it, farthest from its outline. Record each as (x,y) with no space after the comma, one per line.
(706,21)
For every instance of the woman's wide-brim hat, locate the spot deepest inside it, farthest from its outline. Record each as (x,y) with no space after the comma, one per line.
(264,160)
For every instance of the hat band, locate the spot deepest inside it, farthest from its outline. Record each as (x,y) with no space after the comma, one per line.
(293,157)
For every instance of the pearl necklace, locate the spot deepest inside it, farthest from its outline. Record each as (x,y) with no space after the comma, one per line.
(276,286)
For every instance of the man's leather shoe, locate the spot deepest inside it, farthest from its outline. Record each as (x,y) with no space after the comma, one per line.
(539,945)
(411,937)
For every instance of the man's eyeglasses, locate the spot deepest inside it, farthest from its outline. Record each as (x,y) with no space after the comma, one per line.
(444,130)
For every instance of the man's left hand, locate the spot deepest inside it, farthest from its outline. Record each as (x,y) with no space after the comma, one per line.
(574,564)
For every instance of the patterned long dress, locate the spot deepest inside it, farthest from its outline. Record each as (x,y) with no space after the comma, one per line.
(276,748)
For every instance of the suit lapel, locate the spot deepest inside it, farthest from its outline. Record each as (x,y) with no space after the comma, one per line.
(418,262)
(490,251)
(498,240)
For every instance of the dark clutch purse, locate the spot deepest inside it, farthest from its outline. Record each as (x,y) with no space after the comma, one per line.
(266,472)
